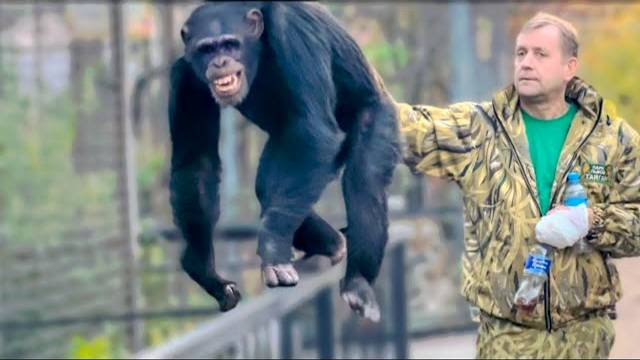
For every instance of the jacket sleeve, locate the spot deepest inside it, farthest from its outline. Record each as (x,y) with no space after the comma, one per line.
(441,142)
(619,233)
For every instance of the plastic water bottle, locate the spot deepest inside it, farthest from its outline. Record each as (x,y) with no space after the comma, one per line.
(536,268)
(575,195)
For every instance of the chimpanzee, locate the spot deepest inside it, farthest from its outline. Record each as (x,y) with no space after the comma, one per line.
(291,69)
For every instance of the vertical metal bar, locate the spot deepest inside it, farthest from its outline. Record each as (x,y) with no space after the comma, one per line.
(415,195)
(126,173)
(35,95)
(286,336)
(461,54)
(2,69)
(230,191)
(38,54)
(3,282)
(2,250)
(274,339)
(239,351)
(464,87)
(261,335)
(324,324)
(168,35)
(168,44)
(167,19)
(399,302)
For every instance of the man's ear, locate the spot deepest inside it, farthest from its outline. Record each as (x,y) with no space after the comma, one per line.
(571,68)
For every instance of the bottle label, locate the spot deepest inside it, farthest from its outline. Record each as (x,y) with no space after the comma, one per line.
(537,265)
(575,201)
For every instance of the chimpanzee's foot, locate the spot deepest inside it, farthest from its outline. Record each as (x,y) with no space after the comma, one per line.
(361,298)
(224,291)
(230,297)
(279,275)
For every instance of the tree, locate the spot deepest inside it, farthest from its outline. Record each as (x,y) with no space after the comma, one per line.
(610,57)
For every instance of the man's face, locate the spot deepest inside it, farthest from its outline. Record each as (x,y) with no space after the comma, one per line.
(540,67)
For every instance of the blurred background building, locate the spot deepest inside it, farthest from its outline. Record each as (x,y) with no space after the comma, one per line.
(88,253)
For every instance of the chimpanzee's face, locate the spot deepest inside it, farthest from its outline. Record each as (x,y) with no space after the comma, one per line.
(222,45)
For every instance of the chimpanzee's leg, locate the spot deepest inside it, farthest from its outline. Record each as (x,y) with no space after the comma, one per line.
(295,167)
(368,171)
(316,237)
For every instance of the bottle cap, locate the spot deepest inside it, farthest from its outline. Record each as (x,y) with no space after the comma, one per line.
(573,177)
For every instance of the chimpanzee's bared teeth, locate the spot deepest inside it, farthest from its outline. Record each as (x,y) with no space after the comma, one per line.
(227,84)
(224,80)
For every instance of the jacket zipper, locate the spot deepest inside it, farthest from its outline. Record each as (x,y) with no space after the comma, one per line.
(575,154)
(547,288)
(547,307)
(547,303)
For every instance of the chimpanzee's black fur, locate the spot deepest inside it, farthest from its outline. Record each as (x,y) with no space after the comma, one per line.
(308,86)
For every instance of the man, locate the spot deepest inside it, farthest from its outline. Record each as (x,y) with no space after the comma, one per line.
(510,157)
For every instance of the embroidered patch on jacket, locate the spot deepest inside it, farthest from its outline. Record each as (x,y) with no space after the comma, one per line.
(597,173)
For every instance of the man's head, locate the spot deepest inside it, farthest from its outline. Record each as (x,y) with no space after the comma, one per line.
(546,57)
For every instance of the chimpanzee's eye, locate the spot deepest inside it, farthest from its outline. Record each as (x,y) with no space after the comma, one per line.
(229,45)
(207,48)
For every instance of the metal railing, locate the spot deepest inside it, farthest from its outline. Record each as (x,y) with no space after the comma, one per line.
(263,326)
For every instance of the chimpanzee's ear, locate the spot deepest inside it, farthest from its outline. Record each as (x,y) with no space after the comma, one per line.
(255,24)
(184,34)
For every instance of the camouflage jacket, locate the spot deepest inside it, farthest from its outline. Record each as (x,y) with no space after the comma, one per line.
(483,148)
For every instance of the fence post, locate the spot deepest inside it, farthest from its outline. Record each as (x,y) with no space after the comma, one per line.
(2,50)
(286,336)
(3,281)
(399,302)
(324,324)
(126,172)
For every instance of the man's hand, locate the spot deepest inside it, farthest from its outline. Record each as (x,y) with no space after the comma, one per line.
(563,226)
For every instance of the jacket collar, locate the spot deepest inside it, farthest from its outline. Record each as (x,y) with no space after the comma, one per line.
(577,91)
(505,105)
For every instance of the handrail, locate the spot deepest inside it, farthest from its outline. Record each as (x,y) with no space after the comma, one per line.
(214,335)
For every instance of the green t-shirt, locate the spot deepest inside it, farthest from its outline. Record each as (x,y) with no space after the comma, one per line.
(546,138)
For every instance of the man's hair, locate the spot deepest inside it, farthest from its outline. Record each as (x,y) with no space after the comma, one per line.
(568,32)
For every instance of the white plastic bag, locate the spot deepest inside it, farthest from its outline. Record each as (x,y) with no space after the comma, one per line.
(563,226)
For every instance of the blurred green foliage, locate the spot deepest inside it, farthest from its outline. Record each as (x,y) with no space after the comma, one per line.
(610,59)
(386,57)
(44,201)
(41,195)
(96,348)
(106,345)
